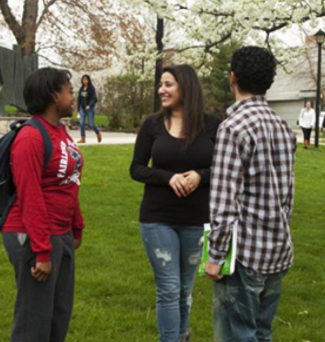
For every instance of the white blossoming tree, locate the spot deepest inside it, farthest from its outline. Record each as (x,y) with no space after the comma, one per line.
(102,31)
(206,24)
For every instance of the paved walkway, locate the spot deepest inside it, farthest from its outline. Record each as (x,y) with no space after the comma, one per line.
(109,138)
(300,137)
(114,138)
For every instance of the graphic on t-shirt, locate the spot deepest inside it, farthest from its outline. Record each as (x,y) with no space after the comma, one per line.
(75,155)
(63,161)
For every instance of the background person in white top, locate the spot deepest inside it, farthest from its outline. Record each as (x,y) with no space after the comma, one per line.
(306,121)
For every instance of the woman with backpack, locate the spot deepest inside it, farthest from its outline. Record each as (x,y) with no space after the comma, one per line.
(44,225)
(86,107)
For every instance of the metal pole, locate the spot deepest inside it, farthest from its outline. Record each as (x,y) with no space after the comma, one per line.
(1,85)
(1,80)
(318,93)
(159,62)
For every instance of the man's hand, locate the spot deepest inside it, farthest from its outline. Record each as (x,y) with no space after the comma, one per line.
(77,243)
(41,271)
(193,179)
(87,107)
(212,270)
(180,186)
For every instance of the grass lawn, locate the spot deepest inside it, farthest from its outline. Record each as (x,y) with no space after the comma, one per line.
(100,120)
(115,292)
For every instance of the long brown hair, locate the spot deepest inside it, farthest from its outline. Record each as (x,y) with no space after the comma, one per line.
(191,98)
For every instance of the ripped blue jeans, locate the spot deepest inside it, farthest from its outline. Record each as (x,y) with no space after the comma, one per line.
(174,254)
(244,305)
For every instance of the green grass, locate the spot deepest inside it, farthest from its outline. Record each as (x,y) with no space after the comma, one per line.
(10,110)
(100,120)
(115,292)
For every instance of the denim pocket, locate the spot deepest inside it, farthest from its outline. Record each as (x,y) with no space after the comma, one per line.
(252,277)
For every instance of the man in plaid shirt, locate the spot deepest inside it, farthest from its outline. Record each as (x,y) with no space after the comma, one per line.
(252,182)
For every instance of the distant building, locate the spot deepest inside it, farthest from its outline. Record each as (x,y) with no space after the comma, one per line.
(290,92)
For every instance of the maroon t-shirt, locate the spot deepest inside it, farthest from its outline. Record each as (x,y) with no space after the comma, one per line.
(47,201)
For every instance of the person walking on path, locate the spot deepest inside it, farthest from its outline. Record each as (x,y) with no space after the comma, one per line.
(306,121)
(86,108)
(179,139)
(252,185)
(44,224)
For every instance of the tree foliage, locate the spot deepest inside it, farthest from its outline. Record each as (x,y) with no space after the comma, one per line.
(127,100)
(208,24)
(216,84)
(85,33)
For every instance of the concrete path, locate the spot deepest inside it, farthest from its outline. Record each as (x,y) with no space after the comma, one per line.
(109,138)
(300,137)
(114,138)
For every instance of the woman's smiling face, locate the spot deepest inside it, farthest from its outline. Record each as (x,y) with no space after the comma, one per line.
(169,91)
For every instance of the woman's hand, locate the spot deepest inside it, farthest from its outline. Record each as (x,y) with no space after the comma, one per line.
(180,186)
(193,179)
(41,271)
(87,107)
(77,243)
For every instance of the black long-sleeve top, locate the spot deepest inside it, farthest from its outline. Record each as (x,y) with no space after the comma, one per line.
(86,97)
(160,204)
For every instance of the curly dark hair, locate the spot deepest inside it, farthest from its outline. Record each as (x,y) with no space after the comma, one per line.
(254,68)
(40,87)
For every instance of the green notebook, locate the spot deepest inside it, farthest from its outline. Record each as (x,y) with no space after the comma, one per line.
(228,268)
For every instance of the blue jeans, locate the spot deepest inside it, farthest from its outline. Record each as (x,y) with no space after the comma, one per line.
(174,254)
(91,120)
(244,305)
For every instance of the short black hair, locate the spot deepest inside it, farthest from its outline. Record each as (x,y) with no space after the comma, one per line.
(40,87)
(254,68)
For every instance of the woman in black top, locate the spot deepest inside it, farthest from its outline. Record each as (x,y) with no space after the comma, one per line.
(86,107)
(180,141)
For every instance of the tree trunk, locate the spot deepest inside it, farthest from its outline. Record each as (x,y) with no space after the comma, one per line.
(29,27)
(25,33)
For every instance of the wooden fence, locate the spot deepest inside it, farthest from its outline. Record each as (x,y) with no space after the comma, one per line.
(14,69)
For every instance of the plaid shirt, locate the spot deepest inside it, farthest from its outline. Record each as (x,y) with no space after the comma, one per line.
(252,181)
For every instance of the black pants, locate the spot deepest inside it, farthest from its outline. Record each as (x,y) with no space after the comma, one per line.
(306,132)
(43,309)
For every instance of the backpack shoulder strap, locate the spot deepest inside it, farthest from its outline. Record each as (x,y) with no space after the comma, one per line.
(48,151)
(48,148)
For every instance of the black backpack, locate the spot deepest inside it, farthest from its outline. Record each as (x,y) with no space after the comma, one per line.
(7,188)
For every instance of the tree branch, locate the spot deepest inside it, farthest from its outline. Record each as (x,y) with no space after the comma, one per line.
(206,47)
(45,11)
(91,16)
(218,14)
(54,63)
(10,19)
(58,21)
